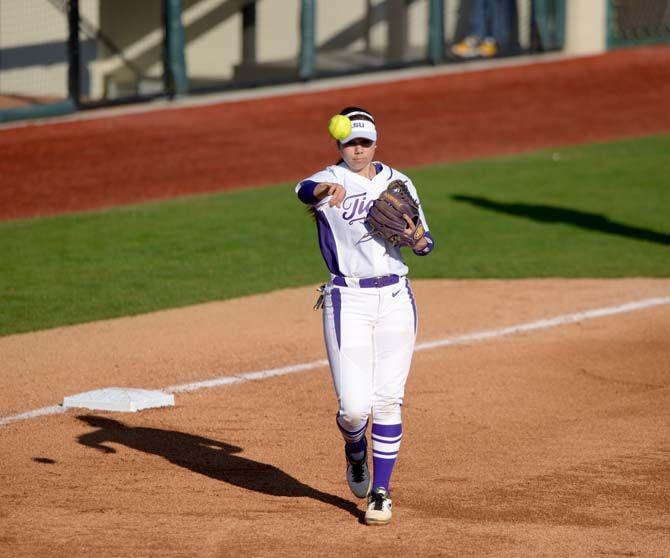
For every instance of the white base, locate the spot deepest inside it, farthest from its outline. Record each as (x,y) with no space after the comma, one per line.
(124,400)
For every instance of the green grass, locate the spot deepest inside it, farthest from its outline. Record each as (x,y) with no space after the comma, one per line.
(598,211)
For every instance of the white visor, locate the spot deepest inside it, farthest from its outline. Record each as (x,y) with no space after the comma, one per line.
(361,129)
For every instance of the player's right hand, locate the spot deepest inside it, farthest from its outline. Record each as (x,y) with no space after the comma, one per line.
(335,191)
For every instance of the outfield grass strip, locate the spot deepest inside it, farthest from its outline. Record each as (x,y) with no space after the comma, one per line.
(592,211)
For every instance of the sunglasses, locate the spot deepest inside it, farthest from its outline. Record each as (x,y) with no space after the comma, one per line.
(359,141)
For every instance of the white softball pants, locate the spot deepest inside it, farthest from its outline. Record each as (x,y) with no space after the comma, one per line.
(369,335)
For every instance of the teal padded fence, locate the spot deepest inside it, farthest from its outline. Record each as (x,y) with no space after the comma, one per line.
(636,22)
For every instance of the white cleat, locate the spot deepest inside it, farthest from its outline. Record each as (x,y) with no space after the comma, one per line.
(379,510)
(358,477)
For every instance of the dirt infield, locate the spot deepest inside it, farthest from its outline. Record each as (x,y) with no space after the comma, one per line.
(97,163)
(546,443)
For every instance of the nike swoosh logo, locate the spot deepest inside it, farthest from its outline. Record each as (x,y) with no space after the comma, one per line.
(395,293)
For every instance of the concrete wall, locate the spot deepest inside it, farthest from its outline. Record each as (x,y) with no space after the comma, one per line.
(33,38)
(346,32)
(212,34)
(585,26)
(139,38)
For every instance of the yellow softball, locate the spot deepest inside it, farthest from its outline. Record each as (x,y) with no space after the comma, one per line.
(339,127)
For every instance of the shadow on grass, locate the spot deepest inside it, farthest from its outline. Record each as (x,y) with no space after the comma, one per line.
(583,219)
(212,458)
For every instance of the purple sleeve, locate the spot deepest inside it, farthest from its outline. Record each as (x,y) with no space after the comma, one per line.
(428,249)
(306,192)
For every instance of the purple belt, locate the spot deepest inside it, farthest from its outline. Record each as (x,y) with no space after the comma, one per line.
(367,283)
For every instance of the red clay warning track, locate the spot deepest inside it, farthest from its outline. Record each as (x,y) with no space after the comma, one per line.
(89,164)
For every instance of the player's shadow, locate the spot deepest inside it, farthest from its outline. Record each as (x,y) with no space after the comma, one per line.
(212,458)
(583,219)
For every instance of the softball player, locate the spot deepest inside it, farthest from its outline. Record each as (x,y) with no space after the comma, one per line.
(369,317)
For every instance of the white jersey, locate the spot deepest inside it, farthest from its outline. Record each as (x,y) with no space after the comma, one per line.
(345,245)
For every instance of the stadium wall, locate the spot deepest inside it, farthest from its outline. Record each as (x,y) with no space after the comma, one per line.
(174,47)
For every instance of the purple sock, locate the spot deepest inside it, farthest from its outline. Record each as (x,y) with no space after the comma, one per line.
(385,446)
(355,442)
(356,449)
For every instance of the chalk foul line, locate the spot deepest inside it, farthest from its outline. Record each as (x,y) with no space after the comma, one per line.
(458,340)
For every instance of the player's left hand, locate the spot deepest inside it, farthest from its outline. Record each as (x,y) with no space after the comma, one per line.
(395,217)
(411,230)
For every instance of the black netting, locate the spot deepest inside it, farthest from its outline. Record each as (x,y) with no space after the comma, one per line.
(639,20)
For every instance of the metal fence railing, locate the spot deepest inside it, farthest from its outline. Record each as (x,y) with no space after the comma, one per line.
(62,55)
(634,22)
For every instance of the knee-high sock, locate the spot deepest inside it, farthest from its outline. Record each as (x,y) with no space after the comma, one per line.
(385,446)
(355,442)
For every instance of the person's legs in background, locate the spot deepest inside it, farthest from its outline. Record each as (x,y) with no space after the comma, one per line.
(490,29)
(480,11)
(487,46)
(468,47)
(503,24)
